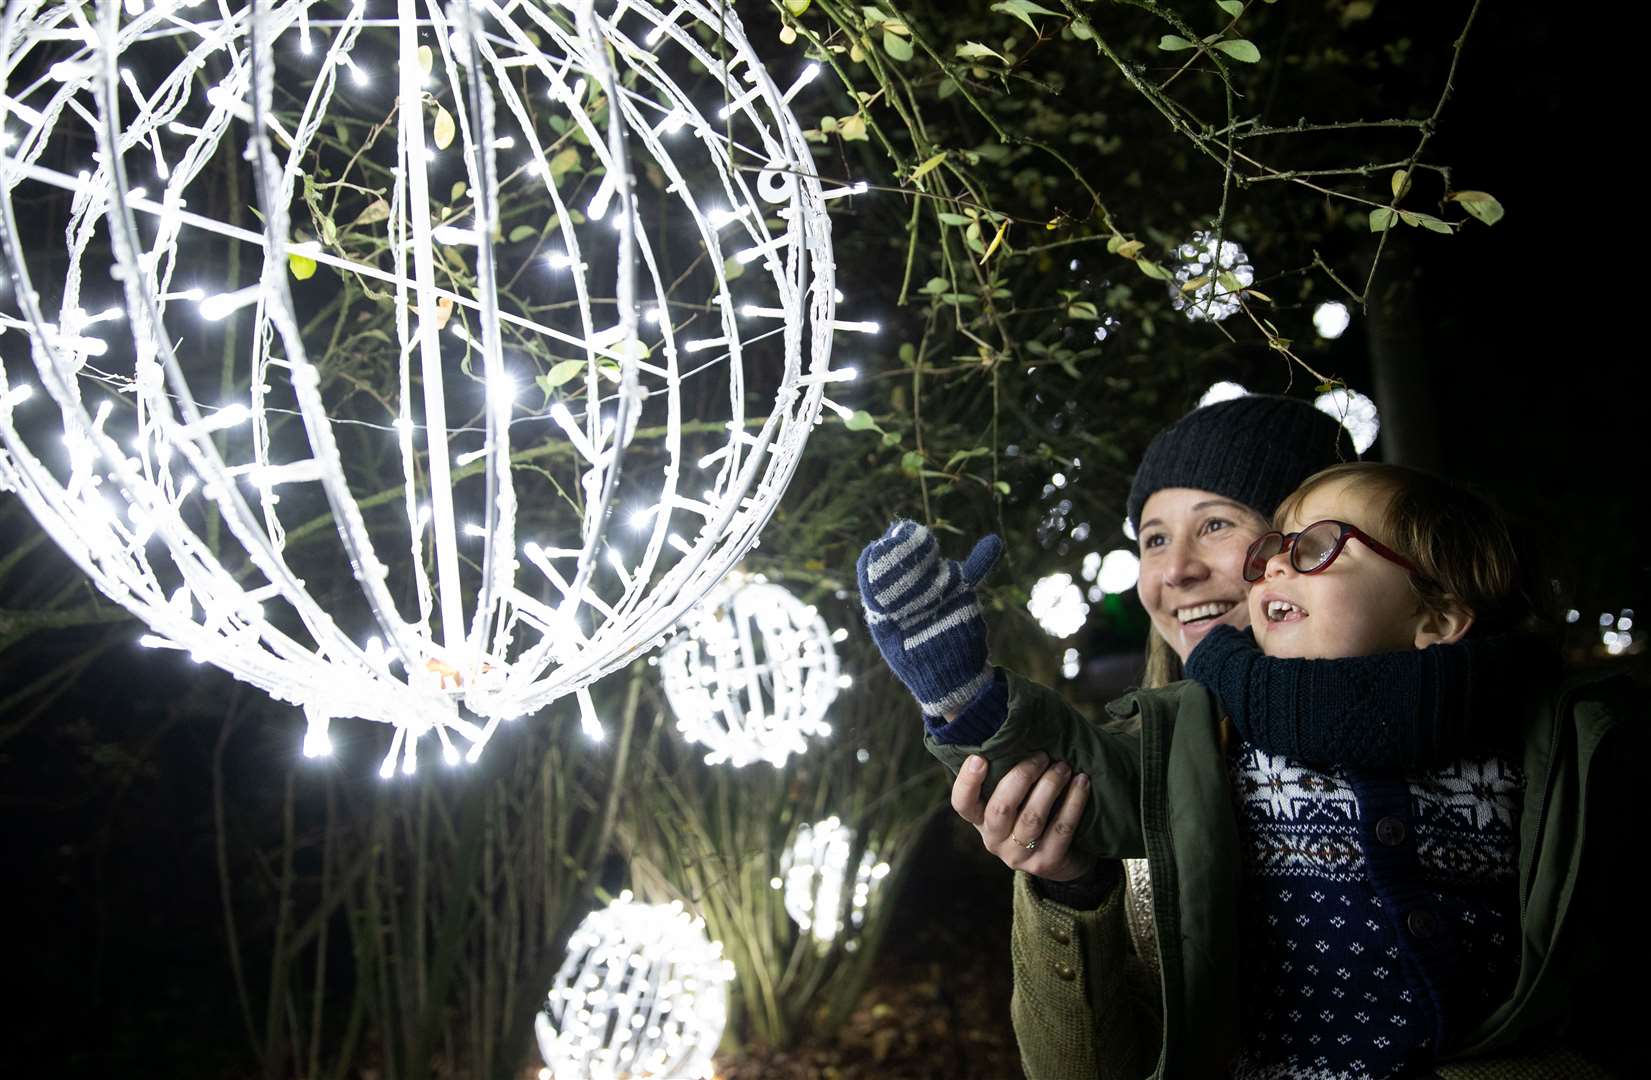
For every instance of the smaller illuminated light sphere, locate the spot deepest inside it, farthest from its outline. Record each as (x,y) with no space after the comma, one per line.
(1356,412)
(814,873)
(642,993)
(1058,605)
(1208,278)
(1120,569)
(753,673)
(1222,391)
(1071,664)
(1331,318)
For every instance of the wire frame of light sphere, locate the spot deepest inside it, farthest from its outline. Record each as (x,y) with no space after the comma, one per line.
(643,993)
(495,382)
(752,674)
(814,872)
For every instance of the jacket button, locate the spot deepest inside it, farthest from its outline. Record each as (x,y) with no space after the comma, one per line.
(1065,971)
(1390,831)
(1423,923)
(1060,935)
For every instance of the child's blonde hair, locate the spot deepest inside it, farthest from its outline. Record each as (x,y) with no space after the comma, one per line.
(1459,541)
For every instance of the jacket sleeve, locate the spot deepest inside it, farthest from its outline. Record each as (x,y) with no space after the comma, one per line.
(1084,1006)
(1109,754)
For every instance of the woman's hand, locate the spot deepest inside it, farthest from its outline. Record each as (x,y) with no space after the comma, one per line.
(1016,824)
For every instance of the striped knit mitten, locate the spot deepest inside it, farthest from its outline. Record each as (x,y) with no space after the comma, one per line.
(925,618)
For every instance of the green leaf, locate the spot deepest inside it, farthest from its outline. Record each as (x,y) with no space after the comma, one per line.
(974,50)
(1426,221)
(860,421)
(1082,309)
(732,268)
(445,128)
(1228,282)
(891,438)
(564,161)
(1235,8)
(907,353)
(1382,219)
(1172,43)
(302,266)
(965,455)
(456,192)
(521,232)
(928,167)
(1240,49)
(329,231)
(912,461)
(954,219)
(1152,269)
(1481,204)
(1023,10)
(896,46)
(561,372)
(1001,487)
(795,8)
(935,286)
(1113,243)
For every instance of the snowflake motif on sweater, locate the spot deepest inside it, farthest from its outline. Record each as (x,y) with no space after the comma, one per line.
(1366,900)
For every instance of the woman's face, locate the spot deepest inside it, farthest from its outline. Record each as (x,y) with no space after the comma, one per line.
(1193,544)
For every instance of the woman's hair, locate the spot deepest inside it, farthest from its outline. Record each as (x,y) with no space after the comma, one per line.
(1460,543)
(1163,666)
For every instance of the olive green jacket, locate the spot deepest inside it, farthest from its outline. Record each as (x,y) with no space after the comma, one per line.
(1159,790)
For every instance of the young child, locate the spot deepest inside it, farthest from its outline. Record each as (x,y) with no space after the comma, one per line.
(1367,919)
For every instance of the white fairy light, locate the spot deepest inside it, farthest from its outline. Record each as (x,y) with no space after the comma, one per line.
(752,675)
(815,872)
(1331,319)
(643,993)
(1222,391)
(1356,412)
(483,636)
(1119,571)
(1058,605)
(1071,664)
(1208,278)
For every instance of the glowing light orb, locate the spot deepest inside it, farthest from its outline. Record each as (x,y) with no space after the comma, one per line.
(1208,278)
(1331,319)
(814,872)
(1356,412)
(403,508)
(642,993)
(753,673)
(1057,604)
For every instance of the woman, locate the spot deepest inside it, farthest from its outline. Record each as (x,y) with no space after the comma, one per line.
(1202,495)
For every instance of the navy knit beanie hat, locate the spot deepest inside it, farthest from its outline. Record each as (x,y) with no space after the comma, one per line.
(1254,450)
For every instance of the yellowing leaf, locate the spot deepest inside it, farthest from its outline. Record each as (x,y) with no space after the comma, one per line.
(1129,249)
(1194,284)
(788,35)
(426,59)
(376,211)
(853,129)
(444,312)
(1400,184)
(996,240)
(562,372)
(1481,204)
(302,266)
(564,161)
(445,128)
(928,167)
(520,233)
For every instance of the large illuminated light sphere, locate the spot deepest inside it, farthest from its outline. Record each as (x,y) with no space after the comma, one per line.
(814,872)
(1209,277)
(1356,412)
(752,674)
(643,993)
(1331,319)
(406,499)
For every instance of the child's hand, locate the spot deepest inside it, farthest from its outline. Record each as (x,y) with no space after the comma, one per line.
(924,615)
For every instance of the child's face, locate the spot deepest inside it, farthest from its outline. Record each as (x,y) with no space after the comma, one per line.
(1192,563)
(1360,605)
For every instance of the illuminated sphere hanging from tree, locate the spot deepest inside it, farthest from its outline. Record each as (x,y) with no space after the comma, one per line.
(814,873)
(373,446)
(643,993)
(752,674)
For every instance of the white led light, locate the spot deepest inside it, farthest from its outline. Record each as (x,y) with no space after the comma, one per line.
(1058,605)
(815,871)
(1356,412)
